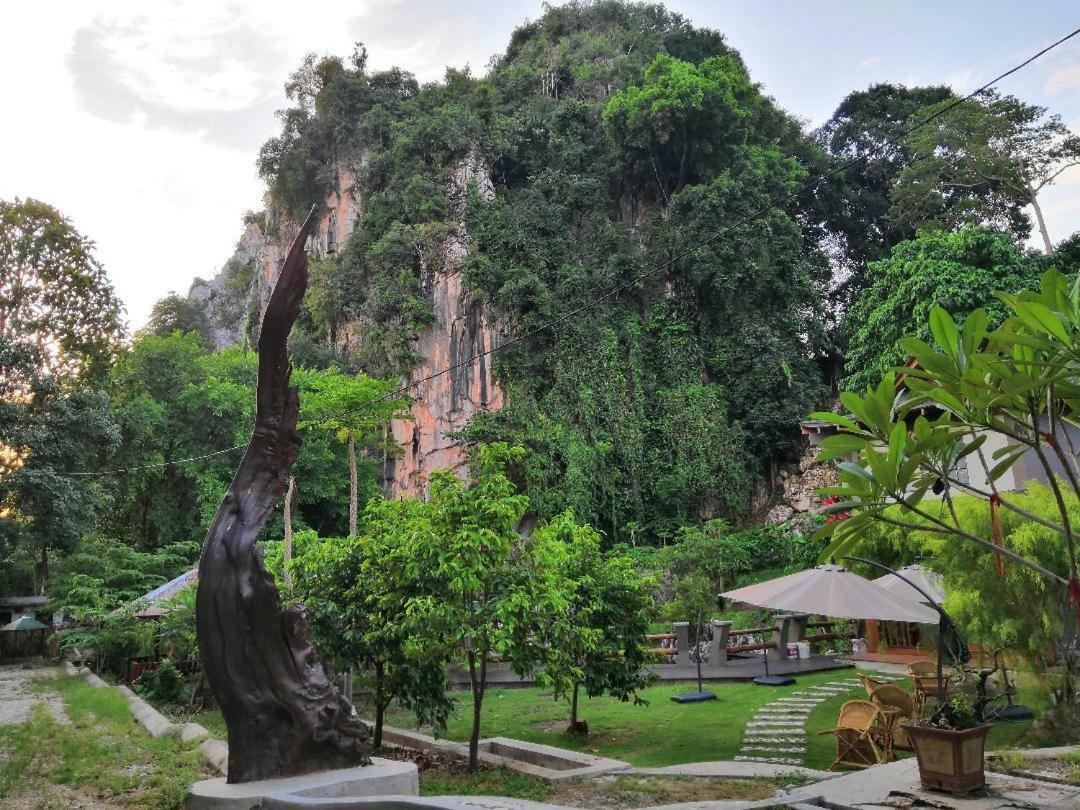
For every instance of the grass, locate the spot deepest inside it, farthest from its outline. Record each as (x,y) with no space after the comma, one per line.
(493,782)
(646,791)
(102,754)
(661,733)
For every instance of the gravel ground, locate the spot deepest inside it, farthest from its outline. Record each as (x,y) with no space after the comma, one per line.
(17,698)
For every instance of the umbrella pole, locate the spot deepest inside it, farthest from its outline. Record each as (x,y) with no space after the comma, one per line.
(700,694)
(944,622)
(772,680)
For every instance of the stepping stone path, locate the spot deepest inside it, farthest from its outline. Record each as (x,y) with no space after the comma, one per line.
(777,733)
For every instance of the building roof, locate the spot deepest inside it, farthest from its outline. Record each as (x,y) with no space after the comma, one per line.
(24,601)
(154,600)
(25,622)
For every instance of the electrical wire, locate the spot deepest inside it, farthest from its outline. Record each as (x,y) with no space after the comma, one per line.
(802,189)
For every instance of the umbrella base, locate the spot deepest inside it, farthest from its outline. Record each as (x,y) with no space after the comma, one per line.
(693,697)
(1010,713)
(774,680)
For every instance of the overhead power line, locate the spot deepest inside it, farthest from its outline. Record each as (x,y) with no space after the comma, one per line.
(552,324)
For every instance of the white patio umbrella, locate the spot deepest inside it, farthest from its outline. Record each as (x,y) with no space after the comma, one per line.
(832,590)
(929,581)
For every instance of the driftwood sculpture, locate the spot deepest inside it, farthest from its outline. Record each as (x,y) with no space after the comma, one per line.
(284,716)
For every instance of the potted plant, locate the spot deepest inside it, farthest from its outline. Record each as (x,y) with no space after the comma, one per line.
(949,746)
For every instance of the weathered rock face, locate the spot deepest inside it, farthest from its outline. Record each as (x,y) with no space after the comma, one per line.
(464,327)
(443,401)
(798,487)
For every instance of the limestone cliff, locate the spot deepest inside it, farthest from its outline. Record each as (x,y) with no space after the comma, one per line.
(442,401)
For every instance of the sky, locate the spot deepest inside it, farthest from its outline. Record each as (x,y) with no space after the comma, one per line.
(141,119)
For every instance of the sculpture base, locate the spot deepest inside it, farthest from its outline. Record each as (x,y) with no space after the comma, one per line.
(383,777)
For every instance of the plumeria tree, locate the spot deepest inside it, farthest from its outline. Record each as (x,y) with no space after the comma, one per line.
(898,454)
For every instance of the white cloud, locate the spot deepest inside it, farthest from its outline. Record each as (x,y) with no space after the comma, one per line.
(870,62)
(1064,79)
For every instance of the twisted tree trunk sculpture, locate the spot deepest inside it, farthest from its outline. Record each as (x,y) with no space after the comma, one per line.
(283,715)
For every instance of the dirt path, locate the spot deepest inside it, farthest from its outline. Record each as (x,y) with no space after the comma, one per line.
(18,698)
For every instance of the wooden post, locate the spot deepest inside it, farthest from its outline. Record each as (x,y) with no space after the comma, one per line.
(721,632)
(873,637)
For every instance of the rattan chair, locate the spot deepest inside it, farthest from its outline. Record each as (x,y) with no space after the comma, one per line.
(924,676)
(854,732)
(893,697)
(870,684)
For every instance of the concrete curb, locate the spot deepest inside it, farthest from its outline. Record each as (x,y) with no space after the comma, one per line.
(732,769)
(542,761)
(216,752)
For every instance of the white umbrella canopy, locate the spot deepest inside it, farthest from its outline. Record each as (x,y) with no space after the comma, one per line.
(929,581)
(832,590)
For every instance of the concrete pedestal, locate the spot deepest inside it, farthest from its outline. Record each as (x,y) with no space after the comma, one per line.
(383,777)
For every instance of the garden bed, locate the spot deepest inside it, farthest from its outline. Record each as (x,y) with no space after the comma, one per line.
(443,774)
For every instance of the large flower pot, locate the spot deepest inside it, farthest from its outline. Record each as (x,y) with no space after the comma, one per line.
(949,760)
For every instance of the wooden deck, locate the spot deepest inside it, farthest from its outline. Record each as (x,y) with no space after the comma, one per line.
(737,669)
(894,660)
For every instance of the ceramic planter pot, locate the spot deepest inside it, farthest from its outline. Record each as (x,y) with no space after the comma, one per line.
(951,761)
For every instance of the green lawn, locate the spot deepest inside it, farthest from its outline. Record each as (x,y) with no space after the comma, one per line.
(666,733)
(661,733)
(102,756)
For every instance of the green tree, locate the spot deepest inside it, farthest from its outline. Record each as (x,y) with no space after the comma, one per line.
(355,408)
(490,590)
(178,313)
(43,508)
(858,200)
(958,271)
(356,597)
(681,118)
(56,303)
(997,145)
(608,619)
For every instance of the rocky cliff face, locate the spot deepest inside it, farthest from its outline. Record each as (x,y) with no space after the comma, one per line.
(442,401)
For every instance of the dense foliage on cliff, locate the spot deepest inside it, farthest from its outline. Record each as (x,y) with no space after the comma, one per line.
(618,138)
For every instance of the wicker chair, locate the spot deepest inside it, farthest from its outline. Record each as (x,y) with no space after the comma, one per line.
(924,676)
(893,697)
(870,684)
(855,732)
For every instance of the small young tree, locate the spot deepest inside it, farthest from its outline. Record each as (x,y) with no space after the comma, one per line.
(356,601)
(602,647)
(494,592)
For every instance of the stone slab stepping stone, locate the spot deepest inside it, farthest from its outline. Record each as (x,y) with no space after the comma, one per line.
(775,749)
(770,741)
(774,760)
